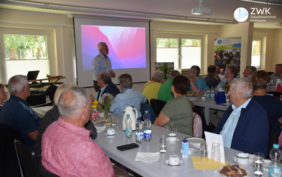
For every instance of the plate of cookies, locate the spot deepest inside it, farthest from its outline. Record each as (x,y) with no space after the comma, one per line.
(234,171)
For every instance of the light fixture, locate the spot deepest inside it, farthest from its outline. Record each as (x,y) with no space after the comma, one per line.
(200,10)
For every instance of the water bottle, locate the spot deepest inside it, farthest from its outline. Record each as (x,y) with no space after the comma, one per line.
(139,133)
(212,93)
(208,93)
(275,169)
(128,128)
(139,124)
(147,125)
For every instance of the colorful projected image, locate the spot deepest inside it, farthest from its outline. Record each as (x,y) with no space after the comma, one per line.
(127,45)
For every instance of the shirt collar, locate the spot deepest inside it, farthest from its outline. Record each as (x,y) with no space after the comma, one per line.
(75,129)
(124,90)
(103,56)
(244,105)
(102,89)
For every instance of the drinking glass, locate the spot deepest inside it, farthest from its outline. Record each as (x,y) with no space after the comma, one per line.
(216,151)
(258,163)
(204,151)
(113,122)
(163,144)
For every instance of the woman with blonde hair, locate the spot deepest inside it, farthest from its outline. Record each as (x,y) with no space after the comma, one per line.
(53,115)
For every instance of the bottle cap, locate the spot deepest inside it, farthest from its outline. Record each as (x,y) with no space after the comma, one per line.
(127,115)
(146,112)
(276,146)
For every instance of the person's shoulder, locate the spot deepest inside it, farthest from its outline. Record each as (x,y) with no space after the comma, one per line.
(255,107)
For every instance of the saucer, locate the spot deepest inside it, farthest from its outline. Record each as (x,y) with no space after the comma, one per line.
(180,164)
(111,136)
(172,142)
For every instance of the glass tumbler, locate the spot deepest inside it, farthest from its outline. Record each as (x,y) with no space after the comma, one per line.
(113,122)
(216,151)
(163,144)
(258,163)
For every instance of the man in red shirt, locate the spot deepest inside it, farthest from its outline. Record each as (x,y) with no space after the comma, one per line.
(67,149)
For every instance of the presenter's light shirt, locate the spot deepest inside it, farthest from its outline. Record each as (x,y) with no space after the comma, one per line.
(101,64)
(231,123)
(151,90)
(200,83)
(128,97)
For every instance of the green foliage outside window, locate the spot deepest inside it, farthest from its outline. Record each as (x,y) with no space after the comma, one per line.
(21,47)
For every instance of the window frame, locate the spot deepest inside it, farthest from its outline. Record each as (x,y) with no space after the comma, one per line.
(30,32)
(180,37)
(260,51)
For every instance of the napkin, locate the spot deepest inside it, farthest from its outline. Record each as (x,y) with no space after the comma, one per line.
(147,157)
(204,163)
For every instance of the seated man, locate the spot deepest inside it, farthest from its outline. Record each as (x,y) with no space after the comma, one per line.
(230,75)
(165,93)
(221,73)
(67,149)
(197,83)
(127,97)
(210,79)
(244,125)
(152,87)
(3,96)
(276,75)
(17,113)
(249,70)
(106,87)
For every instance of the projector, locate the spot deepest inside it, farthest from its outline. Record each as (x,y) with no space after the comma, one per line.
(201,10)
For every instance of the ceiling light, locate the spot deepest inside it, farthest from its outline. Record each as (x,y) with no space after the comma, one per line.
(200,10)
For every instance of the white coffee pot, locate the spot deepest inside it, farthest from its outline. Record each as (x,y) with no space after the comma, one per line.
(130,110)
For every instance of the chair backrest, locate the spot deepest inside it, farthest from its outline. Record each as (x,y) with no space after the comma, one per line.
(197,125)
(44,172)
(8,158)
(27,160)
(157,106)
(272,139)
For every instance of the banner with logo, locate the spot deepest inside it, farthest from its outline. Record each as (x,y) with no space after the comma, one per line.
(227,51)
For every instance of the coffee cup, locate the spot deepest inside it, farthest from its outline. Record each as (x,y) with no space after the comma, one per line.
(173,160)
(172,137)
(111,132)
(242,159)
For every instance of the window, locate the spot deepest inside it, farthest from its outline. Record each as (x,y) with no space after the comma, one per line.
(191,53)
(184,57)
(25,53)
(256,53)
(167,51)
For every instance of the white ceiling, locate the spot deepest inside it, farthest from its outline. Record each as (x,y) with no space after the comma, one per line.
(152,9)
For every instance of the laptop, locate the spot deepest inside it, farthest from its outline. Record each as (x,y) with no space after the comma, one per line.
(32,75)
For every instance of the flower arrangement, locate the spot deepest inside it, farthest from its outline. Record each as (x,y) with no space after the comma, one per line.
(107,104)
(94,112)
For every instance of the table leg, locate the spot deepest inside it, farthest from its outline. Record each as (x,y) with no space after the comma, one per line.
(207,110)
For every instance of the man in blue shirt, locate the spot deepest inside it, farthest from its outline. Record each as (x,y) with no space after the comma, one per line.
(17,113)
(244,126)
(101,63)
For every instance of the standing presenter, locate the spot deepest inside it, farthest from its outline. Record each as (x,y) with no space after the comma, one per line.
(101,63)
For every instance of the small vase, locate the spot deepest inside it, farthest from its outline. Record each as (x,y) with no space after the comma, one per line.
(106,116)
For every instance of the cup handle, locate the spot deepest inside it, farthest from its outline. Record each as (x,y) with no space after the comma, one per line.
(235,159)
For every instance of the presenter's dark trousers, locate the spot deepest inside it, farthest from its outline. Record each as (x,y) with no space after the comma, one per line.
(96,87)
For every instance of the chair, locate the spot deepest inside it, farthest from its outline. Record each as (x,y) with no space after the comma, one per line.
(27,160)
(197,125)
(157,106)
(272,139)
(8,157)
(205,126)
(44,172)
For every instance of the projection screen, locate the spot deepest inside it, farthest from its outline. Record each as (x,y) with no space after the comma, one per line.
(128,43)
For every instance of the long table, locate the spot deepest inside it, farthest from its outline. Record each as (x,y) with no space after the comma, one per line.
(208,104)
(156,169)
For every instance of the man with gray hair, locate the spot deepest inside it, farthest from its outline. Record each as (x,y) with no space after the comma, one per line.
(101,63)
(67,149)
(249,70)
(107,88)
(165,93)
(17,113)
(244,125)
(152,87)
